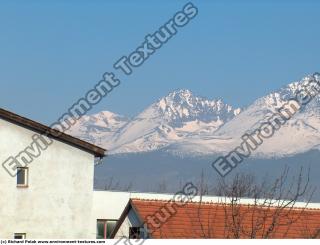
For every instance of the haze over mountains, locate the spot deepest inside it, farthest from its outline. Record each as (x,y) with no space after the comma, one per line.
(176,139)
(184,124)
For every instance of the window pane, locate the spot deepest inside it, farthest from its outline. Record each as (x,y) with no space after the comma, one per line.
(19,236)
(134,233)
(110,227)
(100,229)
(21,176)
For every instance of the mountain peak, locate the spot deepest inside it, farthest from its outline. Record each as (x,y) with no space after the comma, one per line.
(181,93)
(294,86)
(185,95)
(182,106)
(107,114)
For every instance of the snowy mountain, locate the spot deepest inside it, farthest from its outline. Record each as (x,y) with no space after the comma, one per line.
(184,124)
(177,116)
(298,135)
(173,118)
(98,128)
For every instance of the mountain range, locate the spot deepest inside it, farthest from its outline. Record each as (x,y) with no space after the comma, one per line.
(184,124)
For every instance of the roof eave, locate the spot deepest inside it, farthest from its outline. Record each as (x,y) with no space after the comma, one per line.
(52,133)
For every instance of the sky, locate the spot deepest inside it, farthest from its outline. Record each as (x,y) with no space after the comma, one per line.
(53,52)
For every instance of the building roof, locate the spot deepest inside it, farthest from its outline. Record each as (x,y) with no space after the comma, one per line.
(52,133)
(221,220)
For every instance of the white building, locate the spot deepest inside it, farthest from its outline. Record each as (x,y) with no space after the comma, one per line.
(53,197)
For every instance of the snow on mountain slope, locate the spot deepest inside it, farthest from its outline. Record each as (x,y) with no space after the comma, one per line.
(98,128)
(177,116)
(299,134)
(184,124)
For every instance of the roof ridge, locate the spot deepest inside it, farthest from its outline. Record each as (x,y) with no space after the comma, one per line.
(221,203)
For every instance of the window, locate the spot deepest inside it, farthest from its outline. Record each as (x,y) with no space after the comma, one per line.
(134,233)
(20,236)
(105,228)
(22,177)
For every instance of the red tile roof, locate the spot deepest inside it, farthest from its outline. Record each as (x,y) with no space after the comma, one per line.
(212,220)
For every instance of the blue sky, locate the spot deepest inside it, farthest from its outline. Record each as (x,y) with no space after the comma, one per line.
(52,52)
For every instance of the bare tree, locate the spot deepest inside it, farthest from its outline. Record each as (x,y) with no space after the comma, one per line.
(162,187)
(271,208)
(112,184)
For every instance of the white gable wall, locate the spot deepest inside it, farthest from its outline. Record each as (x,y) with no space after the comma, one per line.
(131,220)
(109,204)
(58,201)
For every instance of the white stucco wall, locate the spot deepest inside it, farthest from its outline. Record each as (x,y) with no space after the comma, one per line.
(58,201)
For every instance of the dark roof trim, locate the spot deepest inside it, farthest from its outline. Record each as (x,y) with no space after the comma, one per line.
(52,133)
(121,219)
(123,216)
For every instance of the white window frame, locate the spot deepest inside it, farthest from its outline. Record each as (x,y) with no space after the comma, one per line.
(105,222)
